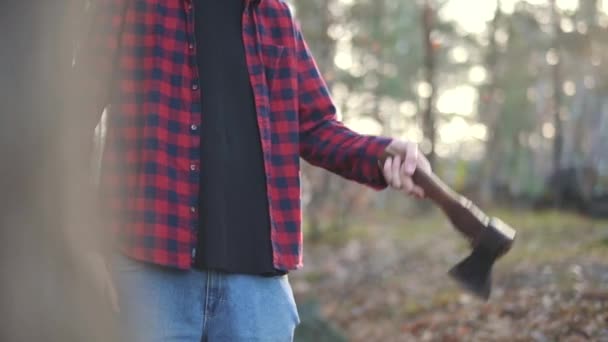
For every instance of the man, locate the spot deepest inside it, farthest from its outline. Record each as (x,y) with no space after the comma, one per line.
(211,104)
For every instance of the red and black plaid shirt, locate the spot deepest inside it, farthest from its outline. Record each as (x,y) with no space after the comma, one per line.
(141,65)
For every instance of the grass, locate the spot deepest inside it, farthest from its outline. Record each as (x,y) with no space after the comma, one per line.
(554,236)
(425,245)
(541,235)
(549,237)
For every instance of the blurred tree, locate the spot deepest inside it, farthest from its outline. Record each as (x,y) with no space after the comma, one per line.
(541,98)
(327,204)
(383,65)
(428,18)
(489,110)
(554,59)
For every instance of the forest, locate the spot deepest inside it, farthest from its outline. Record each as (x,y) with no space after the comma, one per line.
(508,100)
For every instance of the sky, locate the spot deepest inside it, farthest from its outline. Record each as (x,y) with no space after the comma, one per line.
(462,99)
(476,21)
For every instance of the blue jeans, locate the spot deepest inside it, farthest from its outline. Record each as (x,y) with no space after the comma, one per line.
(161,304)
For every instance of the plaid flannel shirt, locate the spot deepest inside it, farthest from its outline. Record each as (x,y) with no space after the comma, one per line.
(138,61)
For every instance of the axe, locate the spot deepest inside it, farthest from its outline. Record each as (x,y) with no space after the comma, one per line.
(489,237)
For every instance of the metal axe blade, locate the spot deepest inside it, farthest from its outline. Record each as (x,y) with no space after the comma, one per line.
(490,237)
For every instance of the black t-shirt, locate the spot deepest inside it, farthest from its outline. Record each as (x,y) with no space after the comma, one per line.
(234,231)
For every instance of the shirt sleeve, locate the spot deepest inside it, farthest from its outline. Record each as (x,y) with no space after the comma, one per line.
(325,141)
(96,56)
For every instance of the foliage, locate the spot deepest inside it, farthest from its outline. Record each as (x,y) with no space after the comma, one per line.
(372,54)
(389,282)
(377,270)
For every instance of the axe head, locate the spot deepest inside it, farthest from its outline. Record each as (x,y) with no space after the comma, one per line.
(474,273)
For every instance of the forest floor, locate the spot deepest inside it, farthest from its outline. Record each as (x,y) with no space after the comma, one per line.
(388,282)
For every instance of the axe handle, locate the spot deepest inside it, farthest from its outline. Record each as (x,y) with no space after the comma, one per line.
(466,217)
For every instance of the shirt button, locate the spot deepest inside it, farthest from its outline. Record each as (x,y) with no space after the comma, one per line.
(193,253)
(192,209)
(192,167)
(194,86)
(191,46)
(194,127)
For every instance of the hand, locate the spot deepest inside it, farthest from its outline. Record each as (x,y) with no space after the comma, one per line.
(102,277)
(398,170)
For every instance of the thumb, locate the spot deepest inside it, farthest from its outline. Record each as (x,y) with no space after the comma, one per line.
(411,159)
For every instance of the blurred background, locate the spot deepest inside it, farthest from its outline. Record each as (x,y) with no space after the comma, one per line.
(508,98)
(48,289)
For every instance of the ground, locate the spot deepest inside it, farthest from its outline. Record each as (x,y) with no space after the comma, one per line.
(387,282)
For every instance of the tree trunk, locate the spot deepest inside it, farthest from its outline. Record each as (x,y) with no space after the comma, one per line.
(428,116)
(316,18)
(489,109)
(558,141)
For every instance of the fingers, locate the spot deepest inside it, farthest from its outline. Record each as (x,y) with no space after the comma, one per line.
(411,159)
(392,173)
(417,192)
(396,176)
(424,163)
(387,171)
(398,170)
(397,181)
(408,183)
